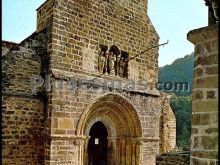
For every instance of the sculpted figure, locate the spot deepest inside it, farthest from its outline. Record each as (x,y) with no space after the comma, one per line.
(111,62)
(125,71)
(121,66)
(117,65)
(101,61)
(105,63)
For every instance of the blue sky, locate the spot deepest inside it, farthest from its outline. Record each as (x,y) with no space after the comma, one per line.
(172,19)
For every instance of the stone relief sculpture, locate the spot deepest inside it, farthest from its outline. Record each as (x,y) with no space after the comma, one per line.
(113,61)
(102,59)
(125,67)
(106,63)
(118,57)
(121,66)
(101,63)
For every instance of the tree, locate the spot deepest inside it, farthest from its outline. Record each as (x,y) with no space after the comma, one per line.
(182,108)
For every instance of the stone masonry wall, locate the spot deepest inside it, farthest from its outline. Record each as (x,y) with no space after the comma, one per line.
(7,46)
(44,15)
(173,158)
(80,27)
(23,113)
(204,136)
(22,131)
(18,67)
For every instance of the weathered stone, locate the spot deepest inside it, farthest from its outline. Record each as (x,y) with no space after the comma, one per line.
(211,95)
(211,130)
(198,95)
(173,158)
(211,70)
(69,95)
(198,161)
(198,72)
(204,106)
(204,143)
(65,123)
(209,142)
(205,154)
(200,119)
(206,82)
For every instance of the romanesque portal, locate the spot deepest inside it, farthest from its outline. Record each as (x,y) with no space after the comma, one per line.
(123,131)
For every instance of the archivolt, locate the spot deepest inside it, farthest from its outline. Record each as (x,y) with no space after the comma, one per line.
(116,112)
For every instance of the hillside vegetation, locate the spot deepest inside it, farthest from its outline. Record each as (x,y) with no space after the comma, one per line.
(181,70)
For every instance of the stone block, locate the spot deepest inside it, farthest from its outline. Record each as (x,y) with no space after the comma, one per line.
(204,106)
(206,82)
(200,119)
(211,70)
(209,142)
(211,95)
(198,162)
(65,123)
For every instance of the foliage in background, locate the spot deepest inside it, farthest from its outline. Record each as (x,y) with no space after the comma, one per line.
(182,108)
(181,70)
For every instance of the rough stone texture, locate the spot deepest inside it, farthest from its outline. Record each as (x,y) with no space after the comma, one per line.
(173,158)
(79,27)
(74,95)
(168,125)
(204,136)
(18,67)
(44,15)
(7,46)
(22,130)
(23,114)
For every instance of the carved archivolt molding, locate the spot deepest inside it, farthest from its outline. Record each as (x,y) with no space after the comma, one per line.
(114,111)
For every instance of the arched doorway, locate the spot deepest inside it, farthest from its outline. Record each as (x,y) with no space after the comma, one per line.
(98,144)
(123,127)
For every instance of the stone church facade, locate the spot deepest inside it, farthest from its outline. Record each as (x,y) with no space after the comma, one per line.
(77,91)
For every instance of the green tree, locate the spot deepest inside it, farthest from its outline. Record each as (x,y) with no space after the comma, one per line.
(182,108)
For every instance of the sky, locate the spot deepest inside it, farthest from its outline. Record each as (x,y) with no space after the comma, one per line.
(172,19)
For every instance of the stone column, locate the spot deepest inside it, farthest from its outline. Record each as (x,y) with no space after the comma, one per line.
(128,153)
(117,150)
(137,151)
(85,155)
(133,153)
(204,134)
(80,143)
(111,151)
(122,151)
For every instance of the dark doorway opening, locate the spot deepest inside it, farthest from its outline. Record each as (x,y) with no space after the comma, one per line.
(98,144)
